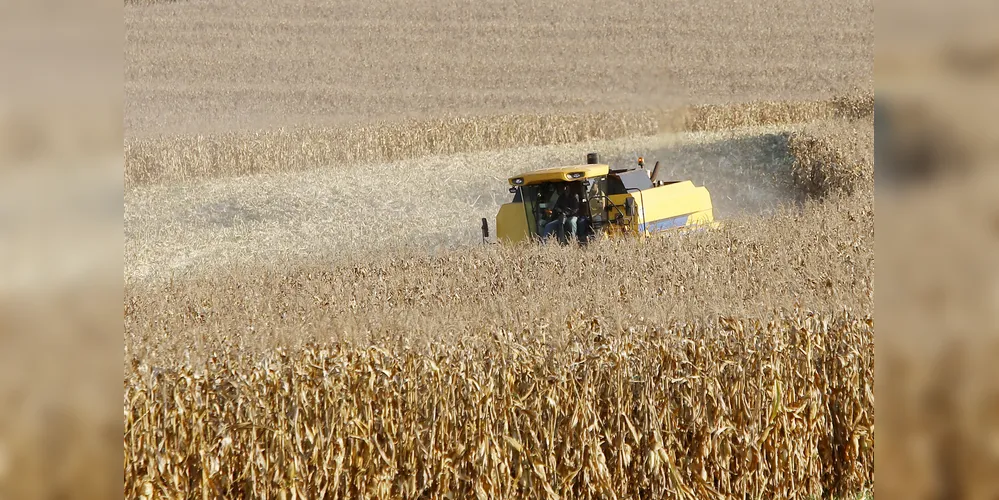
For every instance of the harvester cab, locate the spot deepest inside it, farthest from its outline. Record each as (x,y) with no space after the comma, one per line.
(582,202)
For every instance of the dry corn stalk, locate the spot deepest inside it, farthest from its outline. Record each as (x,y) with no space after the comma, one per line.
(775,408)
(834,157)
(156,160)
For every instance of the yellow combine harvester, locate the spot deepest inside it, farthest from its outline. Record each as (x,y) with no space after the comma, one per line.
(591,200)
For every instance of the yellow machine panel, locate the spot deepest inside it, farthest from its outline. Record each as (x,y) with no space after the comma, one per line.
(556,174)
(511,223)
(673,205)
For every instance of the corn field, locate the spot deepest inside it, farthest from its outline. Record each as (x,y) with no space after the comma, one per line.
(205,156)
(774,408)
(302,321)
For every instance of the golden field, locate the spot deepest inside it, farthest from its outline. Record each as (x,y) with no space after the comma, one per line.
(820,258)
(354,378)
(742,408)
(308,310)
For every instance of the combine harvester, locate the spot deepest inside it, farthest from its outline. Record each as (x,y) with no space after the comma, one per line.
(613,202)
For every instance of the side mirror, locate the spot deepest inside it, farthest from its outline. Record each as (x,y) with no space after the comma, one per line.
(586,183)
(485,228)
(513,190)
(629,207)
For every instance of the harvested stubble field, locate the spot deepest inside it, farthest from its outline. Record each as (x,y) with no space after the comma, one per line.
(304,315)
(219,67)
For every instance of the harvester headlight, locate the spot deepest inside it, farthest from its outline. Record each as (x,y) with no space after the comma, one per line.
(575,175)
(518,181)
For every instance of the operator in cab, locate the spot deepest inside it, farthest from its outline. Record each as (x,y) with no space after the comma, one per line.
(566,213)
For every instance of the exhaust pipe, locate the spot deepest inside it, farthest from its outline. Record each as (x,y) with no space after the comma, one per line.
(592,159)
(655,173)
